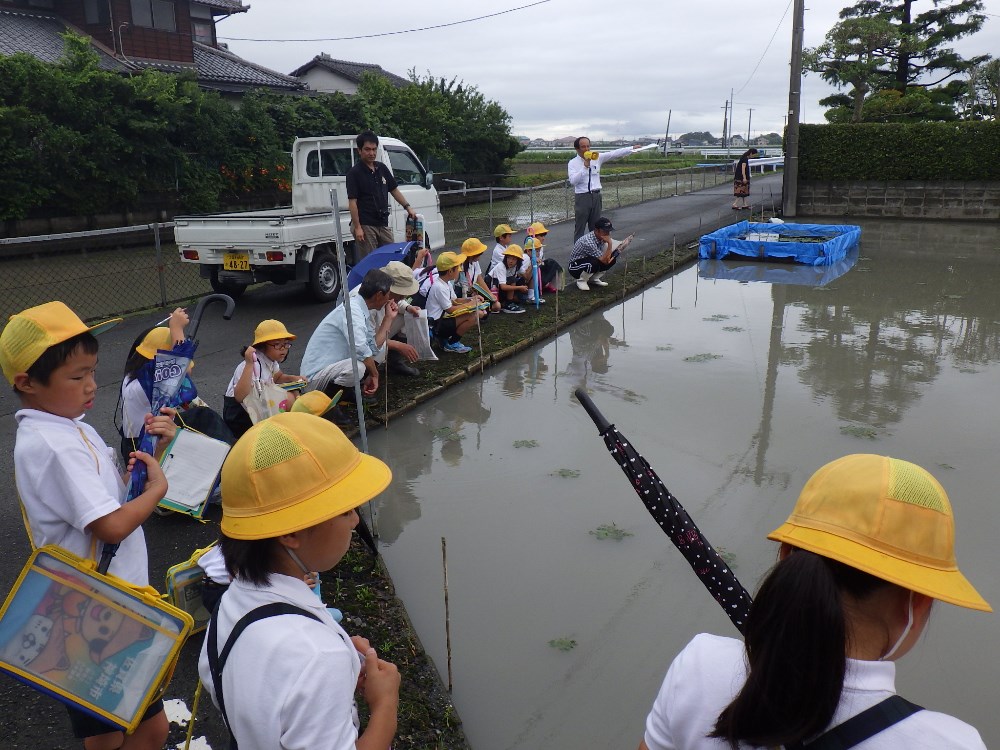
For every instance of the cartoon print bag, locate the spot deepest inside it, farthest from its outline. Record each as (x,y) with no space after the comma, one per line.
(92,641)
(264,400)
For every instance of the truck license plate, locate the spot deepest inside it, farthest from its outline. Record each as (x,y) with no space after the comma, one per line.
(236,261)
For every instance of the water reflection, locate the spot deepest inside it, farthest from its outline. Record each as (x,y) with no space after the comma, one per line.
(750,388)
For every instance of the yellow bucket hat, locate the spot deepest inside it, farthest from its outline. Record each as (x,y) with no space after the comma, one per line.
(886,517)
(293,471)
(537,229)
(316,403)
(514,250)
(30,332)
(448,260)
(532,244)
(473,247)
(501,229)
(270,330)
(152,342)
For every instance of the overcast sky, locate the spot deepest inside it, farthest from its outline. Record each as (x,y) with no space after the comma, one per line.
(575,67)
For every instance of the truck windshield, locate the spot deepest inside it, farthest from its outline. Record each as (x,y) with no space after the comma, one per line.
(405,167)
(335,162)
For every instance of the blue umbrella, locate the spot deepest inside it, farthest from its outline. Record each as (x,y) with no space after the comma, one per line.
(377,258)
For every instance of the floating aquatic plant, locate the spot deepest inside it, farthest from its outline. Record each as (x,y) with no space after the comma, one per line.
(566,473)
(563,644)
(732,329)
(859,431)
(946,466)
(610,531)
(717,317)
(727,557)
(447,434)
(667,348)
(702,357)
(525,443)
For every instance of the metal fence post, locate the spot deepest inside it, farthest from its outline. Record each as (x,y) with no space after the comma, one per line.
(531,204)
(159,265)
(642,186)
(490,226)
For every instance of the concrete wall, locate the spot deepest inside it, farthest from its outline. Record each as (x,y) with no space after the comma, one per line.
(930,199)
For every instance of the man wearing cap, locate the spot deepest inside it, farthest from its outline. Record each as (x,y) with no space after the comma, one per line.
(328,361)
(592,255)
(397,353)
(584,173)
(369,185)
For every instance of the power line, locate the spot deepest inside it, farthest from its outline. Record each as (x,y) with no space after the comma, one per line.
(390,33)
(776,28)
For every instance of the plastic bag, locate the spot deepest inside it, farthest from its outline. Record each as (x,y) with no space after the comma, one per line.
(265,400)
(418,334)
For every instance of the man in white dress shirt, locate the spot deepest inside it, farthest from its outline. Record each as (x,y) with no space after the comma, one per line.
(584,172)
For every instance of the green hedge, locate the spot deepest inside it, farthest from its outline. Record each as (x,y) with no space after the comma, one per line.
(903,151)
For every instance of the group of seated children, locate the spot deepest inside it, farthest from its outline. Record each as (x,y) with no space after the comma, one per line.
(521,274)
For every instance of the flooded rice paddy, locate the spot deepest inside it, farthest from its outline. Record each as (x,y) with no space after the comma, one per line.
(567,602)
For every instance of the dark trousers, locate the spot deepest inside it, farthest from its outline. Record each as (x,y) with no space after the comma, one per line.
(589,265)
(587,207)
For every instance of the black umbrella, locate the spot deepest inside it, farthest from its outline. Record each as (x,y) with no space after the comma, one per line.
(667,511)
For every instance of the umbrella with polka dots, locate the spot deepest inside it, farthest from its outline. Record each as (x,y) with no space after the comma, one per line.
(667,511)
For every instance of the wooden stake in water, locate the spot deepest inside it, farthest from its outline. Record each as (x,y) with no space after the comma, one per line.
(625,279)
(447,611)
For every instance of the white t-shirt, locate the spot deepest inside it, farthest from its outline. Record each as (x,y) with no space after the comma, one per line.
(263,372)
(214,565)
(135,407)
(439,299)
(289,681)
(707,674)
(67,478)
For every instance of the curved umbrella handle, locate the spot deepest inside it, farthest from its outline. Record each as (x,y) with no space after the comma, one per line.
(200,309)
(603,425)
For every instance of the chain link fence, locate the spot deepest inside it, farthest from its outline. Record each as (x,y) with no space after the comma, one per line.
(97,273)
(126,269)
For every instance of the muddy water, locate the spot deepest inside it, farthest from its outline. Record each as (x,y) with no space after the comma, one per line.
(735,392)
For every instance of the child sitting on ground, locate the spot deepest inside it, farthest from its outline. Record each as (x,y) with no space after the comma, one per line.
(449,316)
(261,365)
(472,272)
(549,269)
(508,276)
(67,479)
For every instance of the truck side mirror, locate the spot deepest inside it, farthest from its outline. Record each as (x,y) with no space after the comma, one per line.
(429,180)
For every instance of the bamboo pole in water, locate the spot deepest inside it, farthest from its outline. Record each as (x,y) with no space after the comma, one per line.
(447,611)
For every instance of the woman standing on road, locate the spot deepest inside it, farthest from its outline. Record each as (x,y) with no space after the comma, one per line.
(741,180)
(868,547)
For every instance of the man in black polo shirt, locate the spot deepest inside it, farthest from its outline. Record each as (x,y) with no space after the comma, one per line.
(369,185)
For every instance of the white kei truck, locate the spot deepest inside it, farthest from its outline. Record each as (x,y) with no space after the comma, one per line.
(298,243)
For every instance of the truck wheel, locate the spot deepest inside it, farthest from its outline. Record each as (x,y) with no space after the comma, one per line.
(324,280)
(233,290)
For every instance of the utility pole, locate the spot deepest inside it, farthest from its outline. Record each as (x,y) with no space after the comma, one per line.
(732,117)
(749,120)
(725,123)
(666,136)
(790,183)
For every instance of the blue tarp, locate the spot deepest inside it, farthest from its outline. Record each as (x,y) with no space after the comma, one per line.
(776,273)
(777,241)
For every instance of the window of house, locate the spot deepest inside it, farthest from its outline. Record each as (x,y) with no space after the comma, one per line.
(95,11)
(201,31)
(154,14)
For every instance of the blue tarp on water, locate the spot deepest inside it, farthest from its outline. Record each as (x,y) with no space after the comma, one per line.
(797,274)
(811,244)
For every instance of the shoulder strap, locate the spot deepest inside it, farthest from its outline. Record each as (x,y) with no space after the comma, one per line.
(217,661)
(859,728)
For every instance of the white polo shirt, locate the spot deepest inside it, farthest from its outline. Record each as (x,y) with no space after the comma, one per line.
(707,674)
(289,681)
(67,478)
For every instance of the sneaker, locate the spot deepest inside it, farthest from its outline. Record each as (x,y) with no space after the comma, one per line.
(531,300)
(512,308)
(457,348)
(598,281)
(581,284)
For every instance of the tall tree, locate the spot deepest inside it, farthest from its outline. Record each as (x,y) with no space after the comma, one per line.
(921,55)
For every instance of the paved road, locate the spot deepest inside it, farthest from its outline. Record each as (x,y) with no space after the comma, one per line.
(28,721)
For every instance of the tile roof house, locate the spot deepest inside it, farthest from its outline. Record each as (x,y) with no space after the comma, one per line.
(130,35)
(324,73)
